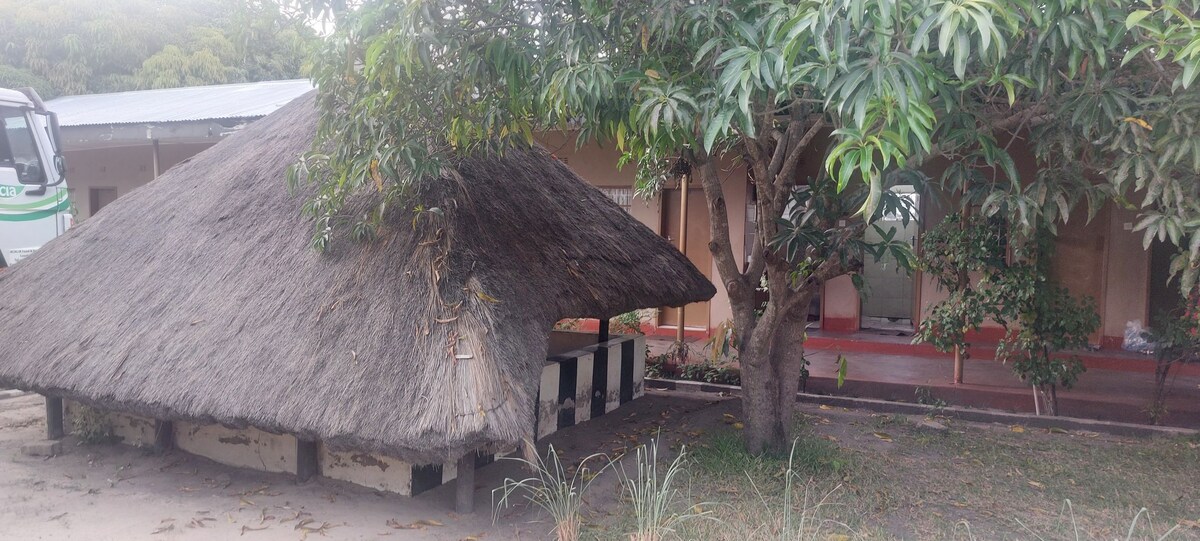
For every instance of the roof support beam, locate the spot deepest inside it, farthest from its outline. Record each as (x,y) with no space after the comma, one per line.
(54,418)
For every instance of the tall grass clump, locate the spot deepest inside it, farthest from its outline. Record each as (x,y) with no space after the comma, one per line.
(1141,528)
(659,507)
(803,522)
(554,491)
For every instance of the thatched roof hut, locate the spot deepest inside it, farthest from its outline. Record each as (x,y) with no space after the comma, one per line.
(198,297)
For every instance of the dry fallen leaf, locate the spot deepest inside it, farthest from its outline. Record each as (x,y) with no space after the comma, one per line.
(1017,428)
(395,525)
(824,407)
(883,436)
(1036,484)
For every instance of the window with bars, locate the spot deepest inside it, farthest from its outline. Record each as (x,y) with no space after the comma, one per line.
(622,196)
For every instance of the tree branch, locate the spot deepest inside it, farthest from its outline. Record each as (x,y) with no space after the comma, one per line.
(1034,116)
(721,246)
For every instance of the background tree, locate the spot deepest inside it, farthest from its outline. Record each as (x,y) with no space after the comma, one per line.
(70,47)
(406,86)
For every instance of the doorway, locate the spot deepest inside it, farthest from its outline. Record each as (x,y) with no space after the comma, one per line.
(1164,300)
(695,314)
(889,303)
(99,198)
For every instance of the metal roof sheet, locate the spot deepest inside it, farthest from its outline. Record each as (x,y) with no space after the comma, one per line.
(242,100)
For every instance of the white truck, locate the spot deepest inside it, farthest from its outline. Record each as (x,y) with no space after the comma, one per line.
(34,207)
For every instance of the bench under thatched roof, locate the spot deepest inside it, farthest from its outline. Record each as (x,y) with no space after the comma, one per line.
(198,297)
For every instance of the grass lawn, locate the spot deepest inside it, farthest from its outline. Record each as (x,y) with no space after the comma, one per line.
(858,475)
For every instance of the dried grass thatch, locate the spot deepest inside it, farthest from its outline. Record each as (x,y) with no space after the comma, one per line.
(198,297)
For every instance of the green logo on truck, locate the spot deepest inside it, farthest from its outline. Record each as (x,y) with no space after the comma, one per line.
(9,192)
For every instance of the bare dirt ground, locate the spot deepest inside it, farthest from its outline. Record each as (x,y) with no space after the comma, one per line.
(119,493)
(115,492)
(880,476)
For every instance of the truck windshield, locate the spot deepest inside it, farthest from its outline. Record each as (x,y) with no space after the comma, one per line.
(18,148)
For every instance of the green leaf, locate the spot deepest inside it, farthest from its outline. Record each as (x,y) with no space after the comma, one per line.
(716,126)
(1136,17)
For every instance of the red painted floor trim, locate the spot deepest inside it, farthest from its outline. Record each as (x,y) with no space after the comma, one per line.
(1118,360)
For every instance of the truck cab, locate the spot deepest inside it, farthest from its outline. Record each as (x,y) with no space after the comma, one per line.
(34,205)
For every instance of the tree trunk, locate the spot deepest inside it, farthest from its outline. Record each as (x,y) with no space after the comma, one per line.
(1158,403)
(770,380)
(1052,400)
(958,364)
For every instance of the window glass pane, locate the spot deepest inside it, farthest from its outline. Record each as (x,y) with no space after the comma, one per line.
(17,149)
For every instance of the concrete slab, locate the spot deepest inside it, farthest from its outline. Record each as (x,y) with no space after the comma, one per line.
(42,448)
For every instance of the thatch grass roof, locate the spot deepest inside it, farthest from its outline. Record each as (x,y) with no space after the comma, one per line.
(198,297)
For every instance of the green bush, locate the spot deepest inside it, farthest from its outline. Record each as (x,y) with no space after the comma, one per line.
(91,426)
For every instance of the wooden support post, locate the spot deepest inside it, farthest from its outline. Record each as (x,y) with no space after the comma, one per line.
(464,493)
(164,436)
(54,418)
(683,223)
(307,465)
(602,334)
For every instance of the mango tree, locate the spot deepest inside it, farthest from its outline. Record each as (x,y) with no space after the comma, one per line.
(678,85)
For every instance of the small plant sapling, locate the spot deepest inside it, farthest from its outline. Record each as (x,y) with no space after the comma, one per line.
(1041,319)
(961,254)
(1177,342)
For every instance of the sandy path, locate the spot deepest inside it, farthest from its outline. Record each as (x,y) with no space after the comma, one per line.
(119,493)
(114,492)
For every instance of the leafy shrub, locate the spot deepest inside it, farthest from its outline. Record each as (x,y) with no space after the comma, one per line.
(710,373)
(91,426)
(628,323)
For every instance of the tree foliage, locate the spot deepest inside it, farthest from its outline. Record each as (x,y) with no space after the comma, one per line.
(1089,85)
(962,254)
(1041,319)
(70,47)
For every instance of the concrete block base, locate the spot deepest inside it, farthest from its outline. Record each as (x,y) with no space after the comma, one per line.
(43,448)
(575,386)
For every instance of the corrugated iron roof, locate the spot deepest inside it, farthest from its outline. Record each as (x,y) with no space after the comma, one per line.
(243,100)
